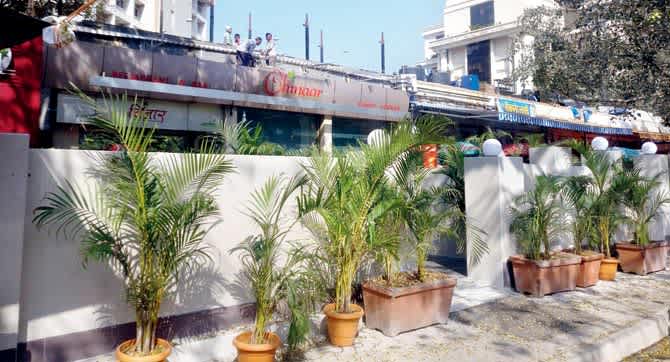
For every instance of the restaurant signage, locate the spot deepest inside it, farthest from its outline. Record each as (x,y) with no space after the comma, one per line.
(278,83)
(516,106)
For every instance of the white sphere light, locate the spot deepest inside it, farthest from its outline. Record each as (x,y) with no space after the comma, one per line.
(492,148)
(600,144)
(649,148)
(375,137)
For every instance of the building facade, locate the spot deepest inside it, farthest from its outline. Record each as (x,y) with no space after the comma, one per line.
(476,37)
(184,18)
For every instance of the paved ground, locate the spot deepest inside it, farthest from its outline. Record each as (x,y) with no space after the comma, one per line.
(603,323)
(518,328)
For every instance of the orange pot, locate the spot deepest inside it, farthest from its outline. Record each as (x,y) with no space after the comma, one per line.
(608,268)
(159,357)
(247,352)
(589,269)
(342,327)
(429,156)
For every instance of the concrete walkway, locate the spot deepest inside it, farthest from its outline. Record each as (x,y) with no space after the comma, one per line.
(603,323)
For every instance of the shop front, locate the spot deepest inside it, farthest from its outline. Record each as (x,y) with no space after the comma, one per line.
(185,96)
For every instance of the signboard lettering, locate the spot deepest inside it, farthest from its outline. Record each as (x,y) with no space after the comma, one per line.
(277,83)
(517,107)
(149,114)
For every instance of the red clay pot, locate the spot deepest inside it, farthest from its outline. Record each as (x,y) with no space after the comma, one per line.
(397,310)
(589,270)
(247,352)
(121,356)
(342,327)
(642,260)
(541,277)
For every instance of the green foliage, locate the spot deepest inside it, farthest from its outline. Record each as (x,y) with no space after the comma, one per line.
(538,218)
(601,192)
(276,276)
(642,201)
(146,217)
(611,52)
(344,200)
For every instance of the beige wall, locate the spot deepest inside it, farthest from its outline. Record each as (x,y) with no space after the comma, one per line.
(60,297)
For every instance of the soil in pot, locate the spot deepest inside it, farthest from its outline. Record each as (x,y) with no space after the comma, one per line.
(247,352)
(608,267)
(342,327)
(160,353)
(643,259)
(541,277)
(589,269)
(406,303)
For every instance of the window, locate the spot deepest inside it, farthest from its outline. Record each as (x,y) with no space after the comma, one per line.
(348,132)
(121,3)
(288,129)
(479,60)
(481,15)
(139,9)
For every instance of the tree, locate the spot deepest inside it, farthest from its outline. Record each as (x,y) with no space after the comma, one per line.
(605,52)
(42,8)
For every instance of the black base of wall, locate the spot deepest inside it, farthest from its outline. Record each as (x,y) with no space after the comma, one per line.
(75,346)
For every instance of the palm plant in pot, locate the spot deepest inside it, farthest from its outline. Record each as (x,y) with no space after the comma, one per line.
(276,270)
(537,219)
(391,303)
(579,196)
(343,202)
(146,218)
(605,202)
(642,201)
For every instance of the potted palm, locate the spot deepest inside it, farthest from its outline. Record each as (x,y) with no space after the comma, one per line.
(426,213)
(579,195)
(605,201)
(342,204)
(537,218)
(642,202)
(146,219)
(275,275)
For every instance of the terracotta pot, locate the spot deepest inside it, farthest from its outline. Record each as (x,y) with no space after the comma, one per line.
(643,260)
(342,327)
(429,156)
(541,277)
(589,270)
(159,357)
(396,310)
(608,269)
(247,352)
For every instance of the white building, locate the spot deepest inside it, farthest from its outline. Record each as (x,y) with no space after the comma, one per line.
(185,18)
(475,37)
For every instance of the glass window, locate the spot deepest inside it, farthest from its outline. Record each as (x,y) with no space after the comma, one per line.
(481,15)
(479,60)
(288,129)
(348,132)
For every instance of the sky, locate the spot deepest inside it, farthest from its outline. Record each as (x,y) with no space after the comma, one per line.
(352,28)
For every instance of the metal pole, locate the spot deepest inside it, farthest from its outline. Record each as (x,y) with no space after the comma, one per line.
(306,25)
(161,22)
(211,23)
(250,25)
(321,48)
(383,55)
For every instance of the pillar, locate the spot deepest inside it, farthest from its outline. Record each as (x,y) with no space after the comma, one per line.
(491,185)
(13,178)
(325,134)
(650,166)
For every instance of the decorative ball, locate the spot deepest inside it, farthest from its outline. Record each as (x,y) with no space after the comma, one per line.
(649,148)
(375,137)
(492,147)
(600,144)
